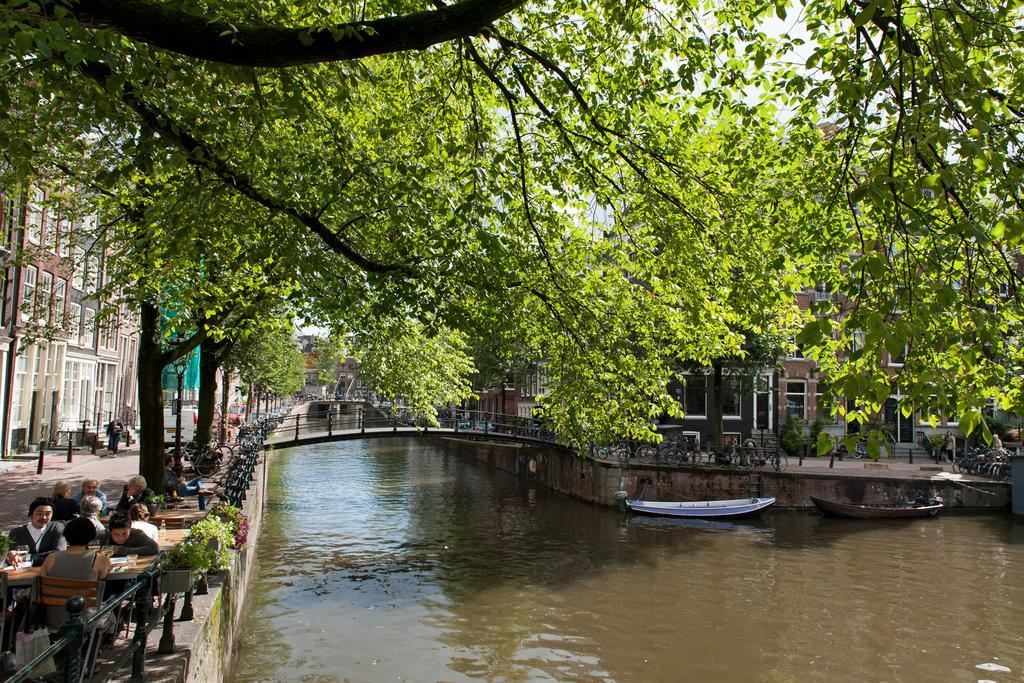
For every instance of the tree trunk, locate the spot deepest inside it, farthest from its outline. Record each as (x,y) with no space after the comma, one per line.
(224,405)
(151,399)
(209,359)
(717,427)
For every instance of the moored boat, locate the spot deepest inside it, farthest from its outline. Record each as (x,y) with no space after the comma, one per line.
(702,509)
(836,508)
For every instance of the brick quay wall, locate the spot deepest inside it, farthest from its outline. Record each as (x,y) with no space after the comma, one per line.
(597,481)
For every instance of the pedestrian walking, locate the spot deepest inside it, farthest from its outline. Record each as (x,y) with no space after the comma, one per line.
(114,429)
(950,446)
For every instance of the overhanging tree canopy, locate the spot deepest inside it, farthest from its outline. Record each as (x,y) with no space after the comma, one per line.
(617,186)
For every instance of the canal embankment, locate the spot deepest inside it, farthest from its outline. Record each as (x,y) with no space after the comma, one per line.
(597,481)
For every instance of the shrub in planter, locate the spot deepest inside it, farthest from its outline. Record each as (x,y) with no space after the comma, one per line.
(155,503)
(236,520)
(203,550)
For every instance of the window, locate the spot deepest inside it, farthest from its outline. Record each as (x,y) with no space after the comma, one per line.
(797,351)
(731,396)
(45,292)
(92,270)
(74,323)
(34,220)
(20,370)
(89,327)
(28,292)
(60,294)
(64,238)
(821,292)
(78,277)
(899,359)
(796,399)
(695,396)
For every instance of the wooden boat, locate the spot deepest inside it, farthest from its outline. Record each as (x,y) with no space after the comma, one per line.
(703,509)
(878,510)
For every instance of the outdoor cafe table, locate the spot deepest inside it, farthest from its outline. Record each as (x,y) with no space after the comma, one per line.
(188,516)
(24,577)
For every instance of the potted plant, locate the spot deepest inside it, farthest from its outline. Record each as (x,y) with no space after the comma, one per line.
(155,503)
(203,550)
(5,546)
(236,520)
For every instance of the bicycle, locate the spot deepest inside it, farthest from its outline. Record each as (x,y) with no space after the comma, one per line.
(206,459)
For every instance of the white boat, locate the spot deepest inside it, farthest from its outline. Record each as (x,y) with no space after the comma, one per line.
(703,509)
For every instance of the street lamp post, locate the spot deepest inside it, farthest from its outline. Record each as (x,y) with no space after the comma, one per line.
(179,369)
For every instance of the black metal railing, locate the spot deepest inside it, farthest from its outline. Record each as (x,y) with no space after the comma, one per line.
(72,634)
(336,419)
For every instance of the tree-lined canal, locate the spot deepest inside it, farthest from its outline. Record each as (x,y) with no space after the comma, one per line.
(393,560)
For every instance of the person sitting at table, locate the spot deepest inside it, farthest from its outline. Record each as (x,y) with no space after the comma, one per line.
(135,491)
(41,534)
(91,511)
(129,541)
(140,516)
(77,562)
(91,487)
(177,486)
(64,506)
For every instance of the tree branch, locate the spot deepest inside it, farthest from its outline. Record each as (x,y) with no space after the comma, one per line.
(202,155)
(195,35)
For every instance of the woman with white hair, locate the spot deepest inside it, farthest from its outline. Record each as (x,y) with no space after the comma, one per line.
(135,491)
(91,507)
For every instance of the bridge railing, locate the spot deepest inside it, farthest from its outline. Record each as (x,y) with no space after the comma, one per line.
(327,419)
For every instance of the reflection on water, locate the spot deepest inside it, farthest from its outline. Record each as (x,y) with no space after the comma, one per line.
(389,560)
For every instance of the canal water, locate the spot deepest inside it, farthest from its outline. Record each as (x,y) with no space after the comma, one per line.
(396,561)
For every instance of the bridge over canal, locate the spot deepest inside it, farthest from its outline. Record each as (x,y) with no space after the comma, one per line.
(340,420)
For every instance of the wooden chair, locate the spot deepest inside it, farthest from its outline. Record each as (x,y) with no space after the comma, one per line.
(55,592)
(170,523)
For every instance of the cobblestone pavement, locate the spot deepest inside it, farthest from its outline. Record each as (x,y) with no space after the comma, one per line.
(19,483)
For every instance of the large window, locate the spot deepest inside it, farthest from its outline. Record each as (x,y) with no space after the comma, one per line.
(28,292)
(45,292)
(74,323)
(60,293)
(18,392)
(78,277)
(89,327)
(796,399)
(695,396)
(34,220)
(732,399)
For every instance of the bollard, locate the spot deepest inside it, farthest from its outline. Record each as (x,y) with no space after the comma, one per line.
(202,587)
(42,454)
(803,453)
(71,448)
(296,427)
(75,628)
(832,458)
(329,423)
(95,443)
(911,456)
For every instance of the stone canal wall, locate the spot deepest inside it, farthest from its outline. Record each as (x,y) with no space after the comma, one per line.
(597,481)
(213,648)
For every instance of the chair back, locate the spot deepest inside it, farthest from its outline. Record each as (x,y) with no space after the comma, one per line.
(54,591)
(169,522)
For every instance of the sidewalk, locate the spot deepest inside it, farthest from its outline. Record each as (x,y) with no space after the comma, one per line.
(20,484)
